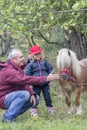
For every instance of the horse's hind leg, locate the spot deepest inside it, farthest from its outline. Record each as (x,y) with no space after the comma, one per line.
(68,101)
(77,100)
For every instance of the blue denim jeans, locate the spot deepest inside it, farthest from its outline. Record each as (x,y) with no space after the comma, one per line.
(17,103)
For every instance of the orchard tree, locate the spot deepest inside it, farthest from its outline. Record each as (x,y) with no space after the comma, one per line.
(42,18)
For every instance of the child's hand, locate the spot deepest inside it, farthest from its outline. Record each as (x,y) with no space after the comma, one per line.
(52,72)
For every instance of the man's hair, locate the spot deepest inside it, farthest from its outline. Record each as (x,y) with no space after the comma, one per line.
(13,53)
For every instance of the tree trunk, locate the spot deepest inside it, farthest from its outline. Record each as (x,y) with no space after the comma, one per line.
(77,42)
(5,44)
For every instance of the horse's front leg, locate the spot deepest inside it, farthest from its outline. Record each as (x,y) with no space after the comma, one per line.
(67,95)
(77,101)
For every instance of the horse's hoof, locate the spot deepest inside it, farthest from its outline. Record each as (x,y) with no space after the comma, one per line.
(69,113)
(70,110)
(78,112)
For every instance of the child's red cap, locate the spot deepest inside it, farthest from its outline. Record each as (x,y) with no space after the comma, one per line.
(35,50)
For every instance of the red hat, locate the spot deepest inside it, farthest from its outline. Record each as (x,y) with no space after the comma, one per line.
(35,50)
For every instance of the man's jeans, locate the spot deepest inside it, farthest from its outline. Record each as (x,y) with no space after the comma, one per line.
(17,103)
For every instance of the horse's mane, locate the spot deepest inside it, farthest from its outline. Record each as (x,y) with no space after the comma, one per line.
(67,58)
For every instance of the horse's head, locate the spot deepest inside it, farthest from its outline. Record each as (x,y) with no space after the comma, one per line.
(67,64)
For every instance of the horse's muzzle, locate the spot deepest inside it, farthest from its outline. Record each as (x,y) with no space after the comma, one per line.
(65,76)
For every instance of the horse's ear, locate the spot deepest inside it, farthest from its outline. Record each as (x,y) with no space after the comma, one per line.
(57,52)
(69,53)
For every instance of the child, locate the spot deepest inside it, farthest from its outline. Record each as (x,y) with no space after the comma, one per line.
(40,67)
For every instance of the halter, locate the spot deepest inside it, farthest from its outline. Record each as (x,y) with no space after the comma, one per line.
(66,74)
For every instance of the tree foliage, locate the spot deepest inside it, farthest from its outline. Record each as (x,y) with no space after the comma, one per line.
(24,17)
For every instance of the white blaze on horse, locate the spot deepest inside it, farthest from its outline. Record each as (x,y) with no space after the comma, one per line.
(73,77)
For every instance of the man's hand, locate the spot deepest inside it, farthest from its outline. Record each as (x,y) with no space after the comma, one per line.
(52,77)
(33,100)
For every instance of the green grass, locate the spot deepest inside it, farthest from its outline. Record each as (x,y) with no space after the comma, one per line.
(45,121)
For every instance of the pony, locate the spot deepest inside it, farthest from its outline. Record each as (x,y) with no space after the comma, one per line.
(73,77)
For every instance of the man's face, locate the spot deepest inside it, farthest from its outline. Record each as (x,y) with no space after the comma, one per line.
(19,59)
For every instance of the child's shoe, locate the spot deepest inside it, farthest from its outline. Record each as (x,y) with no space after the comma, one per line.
(33,112)
(51,110)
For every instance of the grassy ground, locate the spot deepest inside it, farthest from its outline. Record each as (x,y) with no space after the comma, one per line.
(45,121)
